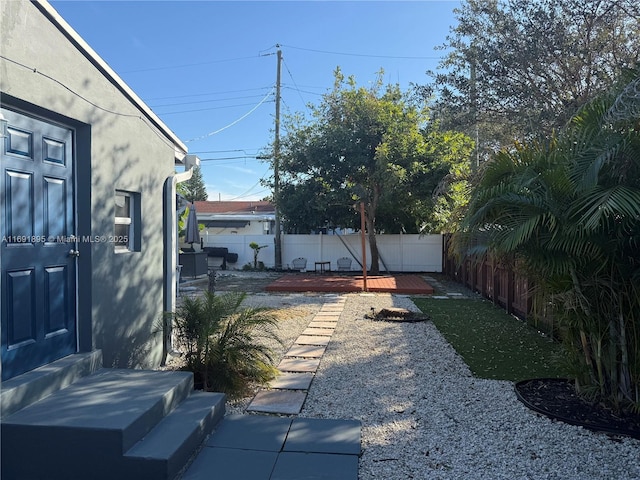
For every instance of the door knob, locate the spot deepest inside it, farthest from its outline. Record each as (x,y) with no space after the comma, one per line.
(74,253)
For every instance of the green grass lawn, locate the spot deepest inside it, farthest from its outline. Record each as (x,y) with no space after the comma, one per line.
(494,344)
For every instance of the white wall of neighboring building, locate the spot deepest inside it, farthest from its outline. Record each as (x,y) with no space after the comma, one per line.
(254,227)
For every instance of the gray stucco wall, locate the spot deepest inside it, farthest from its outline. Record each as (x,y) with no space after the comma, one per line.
(120,294)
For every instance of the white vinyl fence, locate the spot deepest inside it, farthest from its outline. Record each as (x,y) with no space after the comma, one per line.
(399,253)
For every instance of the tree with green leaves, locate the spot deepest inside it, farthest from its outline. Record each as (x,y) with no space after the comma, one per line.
(515,69)
(194,188)
(364,145)
(568,210)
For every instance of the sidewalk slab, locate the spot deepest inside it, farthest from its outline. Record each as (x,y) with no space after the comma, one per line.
(286,402)
(324,332)
(306,351)
(322,435)
(312,340)
(326,315)
(251,432)
(292,381)
(317,466)
(332,308)
(299,365)
(322,324)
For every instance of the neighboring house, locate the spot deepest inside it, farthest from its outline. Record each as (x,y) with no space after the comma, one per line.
(88,202)
(242,218)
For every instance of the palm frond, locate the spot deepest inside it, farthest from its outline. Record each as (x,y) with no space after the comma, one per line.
(600,205)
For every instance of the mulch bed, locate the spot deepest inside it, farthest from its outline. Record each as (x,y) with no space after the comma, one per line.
(397,315)
(557,399)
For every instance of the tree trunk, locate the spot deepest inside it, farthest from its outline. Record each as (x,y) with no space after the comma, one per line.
(373,246)
(371,229)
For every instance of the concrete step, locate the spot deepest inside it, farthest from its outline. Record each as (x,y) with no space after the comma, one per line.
(169,446)
(31,387)
(85,430)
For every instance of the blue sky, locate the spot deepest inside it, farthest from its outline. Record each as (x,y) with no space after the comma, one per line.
(208,68)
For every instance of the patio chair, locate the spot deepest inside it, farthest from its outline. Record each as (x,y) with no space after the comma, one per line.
(299,264)
(344,264)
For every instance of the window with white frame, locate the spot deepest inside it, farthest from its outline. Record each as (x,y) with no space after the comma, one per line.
(126,222)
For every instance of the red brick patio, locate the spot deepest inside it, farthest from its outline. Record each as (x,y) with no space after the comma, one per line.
(314,282)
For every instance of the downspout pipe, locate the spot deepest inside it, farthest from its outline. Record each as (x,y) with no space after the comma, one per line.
(170,262)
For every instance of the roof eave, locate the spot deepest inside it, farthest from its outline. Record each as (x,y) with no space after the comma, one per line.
(48,10)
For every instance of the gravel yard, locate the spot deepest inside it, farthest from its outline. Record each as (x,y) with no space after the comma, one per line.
(424,415)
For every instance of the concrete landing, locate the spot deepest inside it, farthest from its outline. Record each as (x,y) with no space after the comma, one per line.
(261,447)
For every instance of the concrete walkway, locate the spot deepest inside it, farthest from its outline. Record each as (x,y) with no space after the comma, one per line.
(262,446)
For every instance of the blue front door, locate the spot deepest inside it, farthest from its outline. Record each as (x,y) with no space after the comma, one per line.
(37,250)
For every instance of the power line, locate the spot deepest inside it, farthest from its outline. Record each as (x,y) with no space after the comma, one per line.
(246,193)
(205,101)
(303,91)
(171,67)
(214,93)
(294,82)
(209,108)
(149,123)
(242,157)
(362,54)
(243,150)
(234,122)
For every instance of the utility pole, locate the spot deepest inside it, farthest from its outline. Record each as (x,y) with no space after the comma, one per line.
(276,169)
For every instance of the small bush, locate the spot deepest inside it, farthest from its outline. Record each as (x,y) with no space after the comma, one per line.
(223,344)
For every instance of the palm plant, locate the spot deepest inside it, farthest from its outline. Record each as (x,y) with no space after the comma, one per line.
(226,346)
(569,209)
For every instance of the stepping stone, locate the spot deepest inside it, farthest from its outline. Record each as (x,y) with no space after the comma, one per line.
(312,340)
(327,314)
(324,435)
(322,324)
(454,294)
(305,351)
(286,402)
(332,308)
(326,318)
(440,297)
(292,381)
(299,365)
(321,466)
(251,432)
(325,332)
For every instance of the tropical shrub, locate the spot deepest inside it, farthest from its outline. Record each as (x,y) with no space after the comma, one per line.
(224,345)
(256,250)
(568,209)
